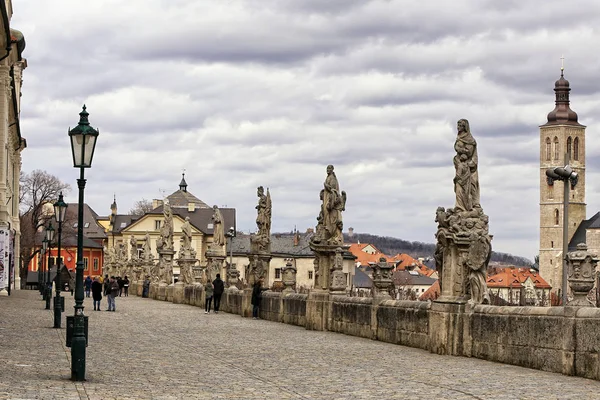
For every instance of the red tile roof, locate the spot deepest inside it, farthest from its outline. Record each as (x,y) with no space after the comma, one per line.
(432,293)
(515,277)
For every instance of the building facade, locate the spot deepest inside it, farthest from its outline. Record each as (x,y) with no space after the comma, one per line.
(12,44)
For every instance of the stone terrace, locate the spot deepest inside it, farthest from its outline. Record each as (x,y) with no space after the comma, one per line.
(159,350)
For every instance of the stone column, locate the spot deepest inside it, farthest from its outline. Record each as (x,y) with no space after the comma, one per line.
(382,280)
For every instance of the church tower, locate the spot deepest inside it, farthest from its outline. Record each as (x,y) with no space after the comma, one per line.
(113,213)
(562,141)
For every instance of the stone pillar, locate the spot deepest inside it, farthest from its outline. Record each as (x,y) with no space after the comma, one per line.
(288,275)
(232,278)
(581,270)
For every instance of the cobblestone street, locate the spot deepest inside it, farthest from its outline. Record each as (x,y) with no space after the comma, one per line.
(157,350)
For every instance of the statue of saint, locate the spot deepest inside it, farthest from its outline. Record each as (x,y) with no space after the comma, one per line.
(466,182)
(166,231)
(186,234)
(218,230)
(334,203)
(147,249)
(263,219)
(133,253)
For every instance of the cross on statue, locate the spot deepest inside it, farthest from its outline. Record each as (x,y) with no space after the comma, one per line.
(562,63)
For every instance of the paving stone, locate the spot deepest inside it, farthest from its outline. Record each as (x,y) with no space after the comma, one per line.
(151,349)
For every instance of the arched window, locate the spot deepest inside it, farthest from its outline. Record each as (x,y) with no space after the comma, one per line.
(556,215)
(548,149)
(576,149)
(569,147)
(556,148)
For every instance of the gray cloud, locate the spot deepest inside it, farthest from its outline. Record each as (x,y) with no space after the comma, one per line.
(264,92)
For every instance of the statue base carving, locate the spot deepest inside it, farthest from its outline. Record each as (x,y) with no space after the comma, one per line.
(214,264)
(186,276)
(464,249)
(165,263)
(258,268)
(329,274)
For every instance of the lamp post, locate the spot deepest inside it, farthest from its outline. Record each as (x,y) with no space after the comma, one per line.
(230,234)
(49,237)
(44,249)
(39,274)
(83,142)
(60,209)
(569,177)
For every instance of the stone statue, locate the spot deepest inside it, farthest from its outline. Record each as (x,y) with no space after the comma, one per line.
(466,181)
(329,222)
(218,230)
(317,274)
(133,253)
(165,241)
(441,241)
(186,235)
(147,249)
(263,219)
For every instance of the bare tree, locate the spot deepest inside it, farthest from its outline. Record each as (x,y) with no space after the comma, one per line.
(38,191)
(141,207)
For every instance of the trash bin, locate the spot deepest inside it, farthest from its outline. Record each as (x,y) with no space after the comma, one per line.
(71,329)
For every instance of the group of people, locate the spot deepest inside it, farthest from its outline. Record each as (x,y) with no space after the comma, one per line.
(109,287)
(213,292)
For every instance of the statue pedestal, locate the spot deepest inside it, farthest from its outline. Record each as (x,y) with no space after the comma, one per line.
(329,274)
(186,274)
(165,262)
(454,274)
(162,291)
(317,309)
(215,256)
(178,291)
(247,302)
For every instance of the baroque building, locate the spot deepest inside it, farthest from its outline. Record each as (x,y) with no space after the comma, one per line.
(12,65)
(562,142)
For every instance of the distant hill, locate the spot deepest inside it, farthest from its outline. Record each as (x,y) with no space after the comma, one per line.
(392,246)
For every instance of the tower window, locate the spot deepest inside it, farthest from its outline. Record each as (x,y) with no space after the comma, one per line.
(552,244)
(576,149)
(548,149)
(556,148)
(556,215)
(569,147)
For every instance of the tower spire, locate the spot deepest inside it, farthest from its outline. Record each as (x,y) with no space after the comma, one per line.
(562,113)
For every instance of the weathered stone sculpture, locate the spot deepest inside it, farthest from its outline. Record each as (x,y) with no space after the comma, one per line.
(260,243)
(581,269)
(147,249)
(463,244)
(165,241)
(218,229)
(383,285)
(288,275)
(329,227)
(328,241)
(133,253)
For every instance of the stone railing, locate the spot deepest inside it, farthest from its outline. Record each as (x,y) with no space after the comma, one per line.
(556,339)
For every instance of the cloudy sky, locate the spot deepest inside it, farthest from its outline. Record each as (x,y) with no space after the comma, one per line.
(242,93)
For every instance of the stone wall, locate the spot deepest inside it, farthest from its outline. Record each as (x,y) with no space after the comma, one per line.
(556,339)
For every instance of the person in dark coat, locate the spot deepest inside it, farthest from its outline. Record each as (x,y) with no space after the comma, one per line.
(88,285)
(257,290)
(96,293)
(146,287)
(121,283)
(126,286)
(218,289)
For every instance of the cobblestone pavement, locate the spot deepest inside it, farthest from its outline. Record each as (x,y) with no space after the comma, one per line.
(157,350)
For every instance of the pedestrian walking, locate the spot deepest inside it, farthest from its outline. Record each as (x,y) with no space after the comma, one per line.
(208,293)
(121,283)
(218,289)
(112,294)
(106,285)
(146,287)
(97,293)
(88,286)
(257,290)
(126,286)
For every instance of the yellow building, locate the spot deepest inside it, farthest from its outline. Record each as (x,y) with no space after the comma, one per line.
(121,227)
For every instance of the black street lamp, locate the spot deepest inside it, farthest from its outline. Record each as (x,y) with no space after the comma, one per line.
(570,178)
(83,142)
(43,274)
(49,238)
(60,209)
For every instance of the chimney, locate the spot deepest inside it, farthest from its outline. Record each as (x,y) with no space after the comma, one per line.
(156,203)
(296,239)
(310,230)
(191,207)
